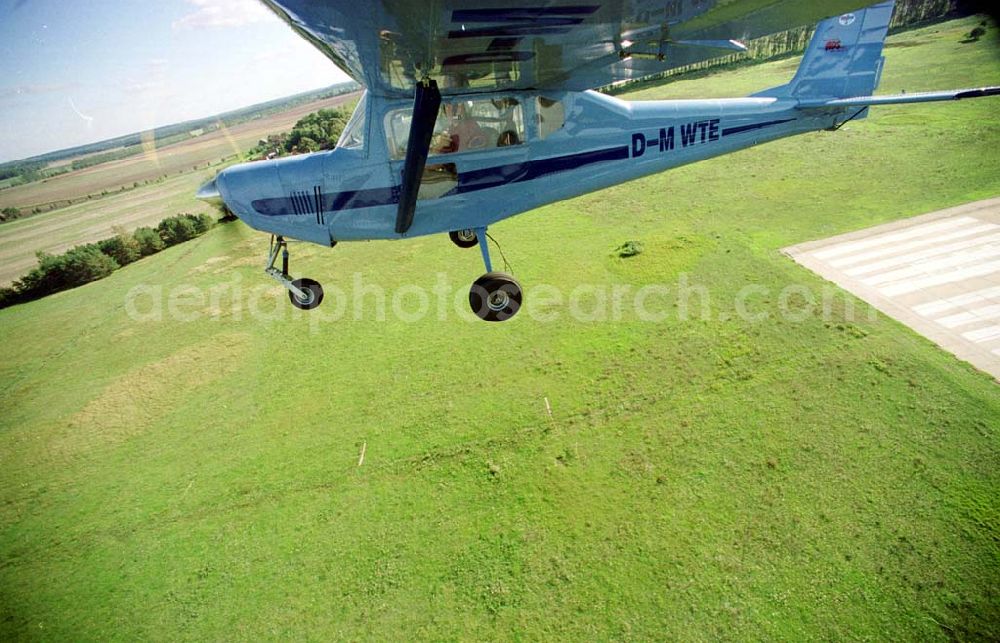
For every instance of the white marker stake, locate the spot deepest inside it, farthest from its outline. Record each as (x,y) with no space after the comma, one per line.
(361,459)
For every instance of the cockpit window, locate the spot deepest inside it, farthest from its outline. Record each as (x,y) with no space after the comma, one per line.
(353,135)
(462,126)
(551,116)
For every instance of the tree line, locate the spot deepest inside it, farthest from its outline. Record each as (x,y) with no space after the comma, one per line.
(90,262)
(907,14)
(26,172)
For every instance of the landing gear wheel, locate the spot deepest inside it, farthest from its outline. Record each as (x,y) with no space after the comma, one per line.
(313,294)
(495,297)
(464,238)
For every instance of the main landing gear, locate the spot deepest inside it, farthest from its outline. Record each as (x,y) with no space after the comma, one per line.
(496,296)
(464,238)
(304,293)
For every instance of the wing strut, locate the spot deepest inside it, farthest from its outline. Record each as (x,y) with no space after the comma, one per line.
(426,103)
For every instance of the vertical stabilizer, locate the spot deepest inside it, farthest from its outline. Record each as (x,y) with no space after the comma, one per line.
(844,57)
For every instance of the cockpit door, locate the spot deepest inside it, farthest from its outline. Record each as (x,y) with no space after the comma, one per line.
(471,136)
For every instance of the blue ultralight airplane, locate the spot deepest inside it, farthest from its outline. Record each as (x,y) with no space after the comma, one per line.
(477,110)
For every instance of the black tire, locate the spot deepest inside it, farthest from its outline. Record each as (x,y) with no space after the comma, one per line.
(312,289)
(495,297)
(464,238)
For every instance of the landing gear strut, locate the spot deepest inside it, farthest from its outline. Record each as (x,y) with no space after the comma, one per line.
(304,293)
(496,296)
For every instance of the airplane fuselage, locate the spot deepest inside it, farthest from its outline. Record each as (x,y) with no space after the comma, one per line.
(596,141)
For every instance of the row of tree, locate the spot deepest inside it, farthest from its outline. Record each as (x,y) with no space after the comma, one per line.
(93,261)
(105,157)
(21,168)
(312,133)
(906,14)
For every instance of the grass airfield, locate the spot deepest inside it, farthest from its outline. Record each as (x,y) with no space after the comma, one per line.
(717,478)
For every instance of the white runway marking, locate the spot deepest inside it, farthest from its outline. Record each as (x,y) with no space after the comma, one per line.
(983,334)
(929,240)
(957,260)
(938,273)
(941,305)
(987,313)
(921,255)
(894,237)
(962,274)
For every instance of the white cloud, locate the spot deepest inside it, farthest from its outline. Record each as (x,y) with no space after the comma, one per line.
(214,14)
(142,87)
(34,89)
(268,55)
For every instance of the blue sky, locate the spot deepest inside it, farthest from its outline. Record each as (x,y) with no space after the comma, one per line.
(78,72)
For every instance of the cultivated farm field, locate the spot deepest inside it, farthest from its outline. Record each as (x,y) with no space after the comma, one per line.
(168,161)
(89,221)
(174,174)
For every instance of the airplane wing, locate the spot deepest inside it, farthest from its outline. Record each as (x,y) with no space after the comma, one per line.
(490,45)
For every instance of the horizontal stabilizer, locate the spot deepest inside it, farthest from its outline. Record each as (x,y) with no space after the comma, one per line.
(898,99)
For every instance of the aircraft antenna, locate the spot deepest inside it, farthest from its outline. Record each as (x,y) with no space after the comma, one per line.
(506,265)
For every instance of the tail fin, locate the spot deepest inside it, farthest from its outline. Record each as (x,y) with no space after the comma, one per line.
(843,59)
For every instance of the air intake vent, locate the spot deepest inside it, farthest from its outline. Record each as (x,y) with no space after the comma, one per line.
(304,203)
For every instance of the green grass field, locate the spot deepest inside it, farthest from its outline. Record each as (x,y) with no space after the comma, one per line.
(828,478)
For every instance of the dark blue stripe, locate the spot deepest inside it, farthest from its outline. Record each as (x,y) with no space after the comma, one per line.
(492,177)
(552,27)
(524,21)
(749,128)
(471,181)
(474,180)
(519,14)
(487,57)
(282,206)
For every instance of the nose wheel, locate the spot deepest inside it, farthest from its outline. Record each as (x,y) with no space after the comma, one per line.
(304,293)
(496,296)
(312,294)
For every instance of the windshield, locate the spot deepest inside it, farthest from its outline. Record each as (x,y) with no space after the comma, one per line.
(354,134)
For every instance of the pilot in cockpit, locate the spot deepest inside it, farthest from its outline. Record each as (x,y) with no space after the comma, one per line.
(460,131)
